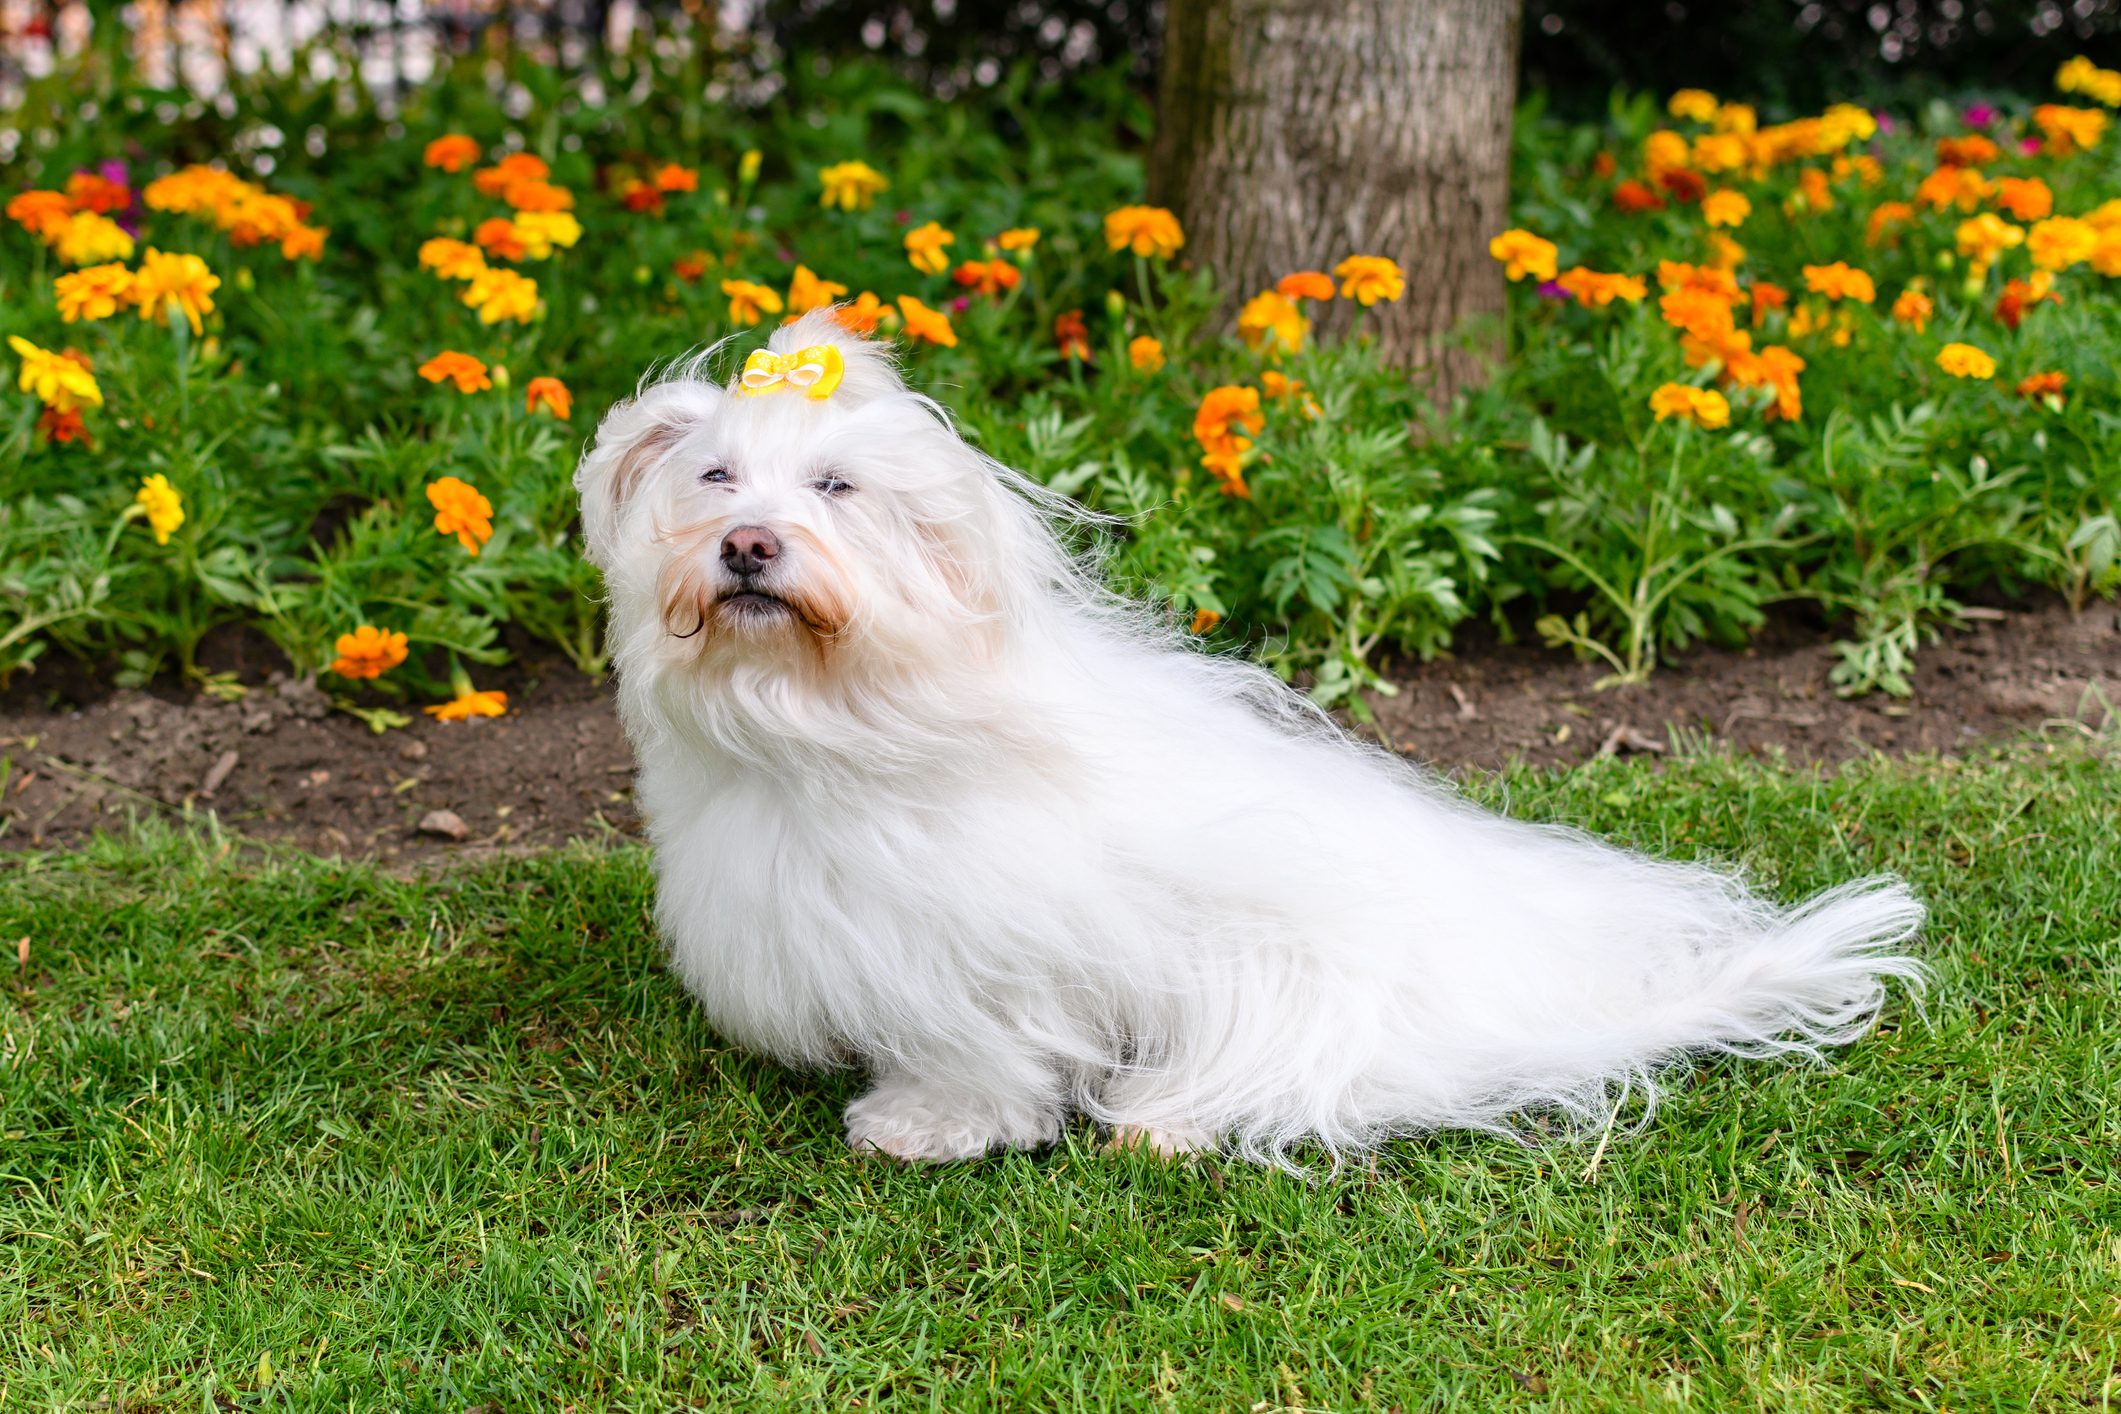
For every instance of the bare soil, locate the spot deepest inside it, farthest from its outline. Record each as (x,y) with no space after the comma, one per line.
(282,764)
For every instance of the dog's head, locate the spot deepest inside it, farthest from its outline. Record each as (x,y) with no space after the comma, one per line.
(813,537)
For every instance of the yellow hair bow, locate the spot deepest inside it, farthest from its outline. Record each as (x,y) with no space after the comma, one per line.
(816,370)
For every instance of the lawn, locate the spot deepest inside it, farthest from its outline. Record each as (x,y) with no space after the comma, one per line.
(282,1133)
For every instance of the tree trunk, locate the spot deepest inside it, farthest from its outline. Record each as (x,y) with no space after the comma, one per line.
(1293,133)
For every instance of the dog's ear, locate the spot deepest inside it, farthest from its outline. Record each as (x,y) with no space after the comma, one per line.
(631,443)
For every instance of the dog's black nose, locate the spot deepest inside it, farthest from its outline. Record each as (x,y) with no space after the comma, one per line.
(747,548)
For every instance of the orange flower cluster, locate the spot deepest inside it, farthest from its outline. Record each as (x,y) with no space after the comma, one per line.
(249,213)
(1227,420)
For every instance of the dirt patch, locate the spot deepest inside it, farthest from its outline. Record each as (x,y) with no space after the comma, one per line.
(282,764)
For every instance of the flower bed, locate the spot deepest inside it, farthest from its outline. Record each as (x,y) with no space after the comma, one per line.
(331,387)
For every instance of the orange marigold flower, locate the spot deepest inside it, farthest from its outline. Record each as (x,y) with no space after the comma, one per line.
(303,243)
(1967,150)
(1148,231)
(1712,279)
(863,315)
(1228,469)
(1523,255)
(2020,295)
(1885,219)
(806,291)
(535,194)
(1305,284)
(2025,198)
(673,178)
(988,277)
(461,511)
(1914,308)
(690,268)
(499,238)
(640,197)
(1704,407)
(552,393)
(452,260)
(1963,187)
(1766,298)
(1696,105)
(1840,281)
(1017,239)
(515,167)
(1145,353)
(1225,414)
(1772,367)
(452,152)
(1366,279)
(90,191)
(1595,290)
(63,425)
(750,302)
(922,322)
(2043,387)
(1204,620)
(1633,197)
(1703,314)
(468,373)
(1071,336)
(468,704)
(368,652)
(2068,129)
(1685,186)
(44,214)
(1985,237)
(924,248)
(174,284)
(501,294)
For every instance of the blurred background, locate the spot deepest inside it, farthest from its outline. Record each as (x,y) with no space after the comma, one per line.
(1576,53)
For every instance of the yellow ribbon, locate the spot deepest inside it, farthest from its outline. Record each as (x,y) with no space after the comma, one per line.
(816,371)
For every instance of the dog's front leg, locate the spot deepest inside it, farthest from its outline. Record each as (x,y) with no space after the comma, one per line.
(945,1113)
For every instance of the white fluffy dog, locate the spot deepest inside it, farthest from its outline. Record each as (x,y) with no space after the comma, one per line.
(925,799)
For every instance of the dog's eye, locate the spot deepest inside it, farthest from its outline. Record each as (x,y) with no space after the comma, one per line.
(714,475)
(831,486)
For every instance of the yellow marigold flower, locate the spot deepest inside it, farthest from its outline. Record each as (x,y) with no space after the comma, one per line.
(1272,323)
(1305,284)
(90,239)
(852,186)
(1719,152)
(461,511)
(501,294)
(1725,208)
(552,393)
(750,302)
(807,291)
(1663,151)
(1018,238)
(2081,75)
(1522,254)
(1965,361)
(43,214)
(1366,279)
(97,292)
(193,191)
(1146,354)
(2060,242)
(925,323)
(924,248)
(2106,258)
(1595,290)
(468,704)
(1844,123)
(162,505)
(1987,236)
(59,381)
(167,284)
(2025,198)
(1695,105)
(452,152)
(452,260)
(1914,309)
(541,232)
(1704,407)
(368,652)
(1148,231)
(1840,281)
(862,315)
(468,373)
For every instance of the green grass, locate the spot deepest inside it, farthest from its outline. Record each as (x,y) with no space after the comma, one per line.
(289,1134)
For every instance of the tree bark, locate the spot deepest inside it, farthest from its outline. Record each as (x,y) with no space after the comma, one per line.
(1293,133)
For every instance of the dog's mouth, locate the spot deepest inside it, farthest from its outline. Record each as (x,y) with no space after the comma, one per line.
(753,601)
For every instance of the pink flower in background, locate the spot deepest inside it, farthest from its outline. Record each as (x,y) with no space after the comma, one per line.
(1978,115)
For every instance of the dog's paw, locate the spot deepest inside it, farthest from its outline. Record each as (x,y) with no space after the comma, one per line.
(922,1124)
(1165,1143)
